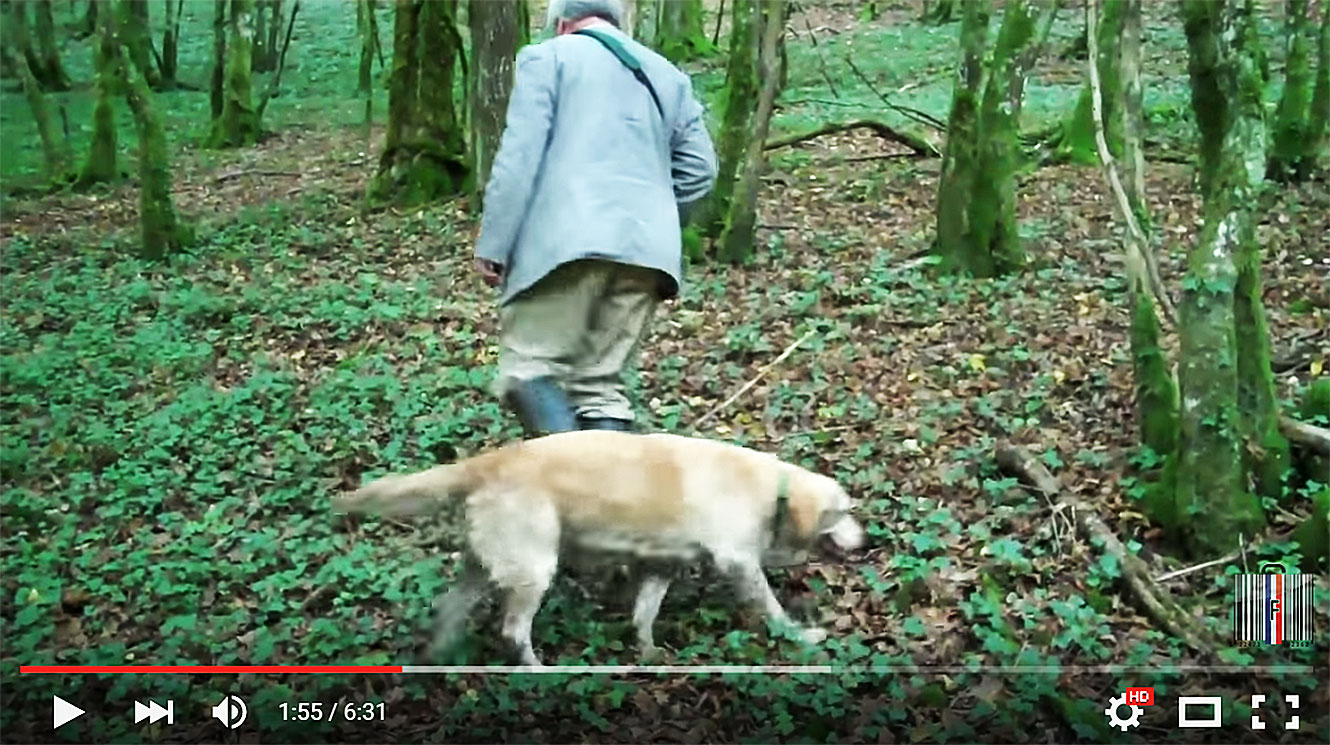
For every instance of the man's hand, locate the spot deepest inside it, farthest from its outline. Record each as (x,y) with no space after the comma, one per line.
(490,271)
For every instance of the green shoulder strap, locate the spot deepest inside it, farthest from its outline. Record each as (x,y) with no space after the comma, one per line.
(628,60)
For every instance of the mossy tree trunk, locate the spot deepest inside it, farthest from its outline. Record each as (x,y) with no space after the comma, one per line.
(1077,141)
(171,42)
(100,167)
(1318,121)
(53,76)
(740,100)
(977,190)
(680,30)
(736,241)
(135,33)
(367,25)
(217,79)
(424,154)
(1156,391)
(259,59)
(1291,152)
(494,39)
(238,125)
(163,233)
(1211,492)
(15,29)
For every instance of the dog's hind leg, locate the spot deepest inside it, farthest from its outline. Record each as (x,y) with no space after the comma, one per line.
(649,596)
(518,541)
(519,611)
(752,583)
(454,607)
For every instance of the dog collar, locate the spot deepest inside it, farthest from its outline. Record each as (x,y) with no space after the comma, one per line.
(782,504)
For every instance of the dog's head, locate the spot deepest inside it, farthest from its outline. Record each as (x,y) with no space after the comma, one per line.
(818,508)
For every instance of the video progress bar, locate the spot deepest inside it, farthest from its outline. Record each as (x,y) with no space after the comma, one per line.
(679,669)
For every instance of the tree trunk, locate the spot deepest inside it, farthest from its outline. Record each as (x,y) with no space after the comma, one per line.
(218,78)
(53,76)
(134,34)
(88,25)
(494,36)
(171,42)
(1265,451)
(1077,142)
(1211,496)
(163,232)
(16,33)
(736,242)
(238,126)
(1291,154)
(1318,121)
(275,84)
(100,167)
(940,12)
(977,193)
(259,60)
(367,24)
(740,101)
(680,30)
(424,154)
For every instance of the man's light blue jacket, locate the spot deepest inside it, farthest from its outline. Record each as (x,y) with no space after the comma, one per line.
(587,168)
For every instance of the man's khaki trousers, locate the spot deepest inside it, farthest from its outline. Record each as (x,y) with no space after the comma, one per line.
(580,325)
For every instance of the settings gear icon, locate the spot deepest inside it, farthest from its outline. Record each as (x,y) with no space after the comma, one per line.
(1121,723)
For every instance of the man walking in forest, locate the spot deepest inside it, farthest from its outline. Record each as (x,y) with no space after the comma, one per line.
(604,151)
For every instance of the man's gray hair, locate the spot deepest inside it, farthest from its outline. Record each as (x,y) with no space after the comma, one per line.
(576,10)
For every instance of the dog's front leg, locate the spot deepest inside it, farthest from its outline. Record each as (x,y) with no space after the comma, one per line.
(753,585)
(649,597)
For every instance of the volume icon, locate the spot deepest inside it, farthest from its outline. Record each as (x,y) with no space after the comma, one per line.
(230,712)
(153,712)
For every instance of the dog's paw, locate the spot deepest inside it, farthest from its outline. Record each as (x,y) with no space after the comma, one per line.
(813,635)
(650,654)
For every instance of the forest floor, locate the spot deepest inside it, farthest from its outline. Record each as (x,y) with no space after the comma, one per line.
(172,434)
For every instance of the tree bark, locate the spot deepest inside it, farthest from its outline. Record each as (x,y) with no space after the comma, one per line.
(163,233)
(16,36)
(741,94)
(736,241)
(494,38)
(216,87)
(1211,495)
(367,24)
(1290,154)
(424,154)
(939,13)
(100,167)
(1318,121)
(680,30)
(259,59)
(53,76)
(134,34)
(171,42)
(976,225)
(238,125)
(275,84)
(1077,141)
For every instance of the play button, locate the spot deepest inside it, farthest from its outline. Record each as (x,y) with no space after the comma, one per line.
(64,711)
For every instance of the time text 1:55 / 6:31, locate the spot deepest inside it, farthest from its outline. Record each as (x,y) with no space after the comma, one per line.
(317,711)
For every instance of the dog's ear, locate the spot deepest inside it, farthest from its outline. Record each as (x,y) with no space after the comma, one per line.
(806,506)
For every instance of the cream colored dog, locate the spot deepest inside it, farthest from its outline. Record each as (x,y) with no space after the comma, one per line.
(655,495)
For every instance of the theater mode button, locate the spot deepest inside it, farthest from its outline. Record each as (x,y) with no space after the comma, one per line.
(64,712)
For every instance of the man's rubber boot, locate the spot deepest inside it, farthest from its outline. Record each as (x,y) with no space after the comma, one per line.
(617,425)
(542,407)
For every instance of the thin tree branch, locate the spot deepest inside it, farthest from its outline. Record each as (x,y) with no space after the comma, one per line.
(909,112)
(918,145)
(1138,248)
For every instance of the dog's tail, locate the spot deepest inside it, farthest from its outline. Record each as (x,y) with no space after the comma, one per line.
(409,494)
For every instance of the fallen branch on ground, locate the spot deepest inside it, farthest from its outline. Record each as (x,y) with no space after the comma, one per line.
(1155,600)
(228,175)
(917,145)
(1307,435)
(760,374)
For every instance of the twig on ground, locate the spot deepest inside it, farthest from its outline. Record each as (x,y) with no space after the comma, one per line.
(919,145)
(1154,600)
(752,382)
(228,175)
